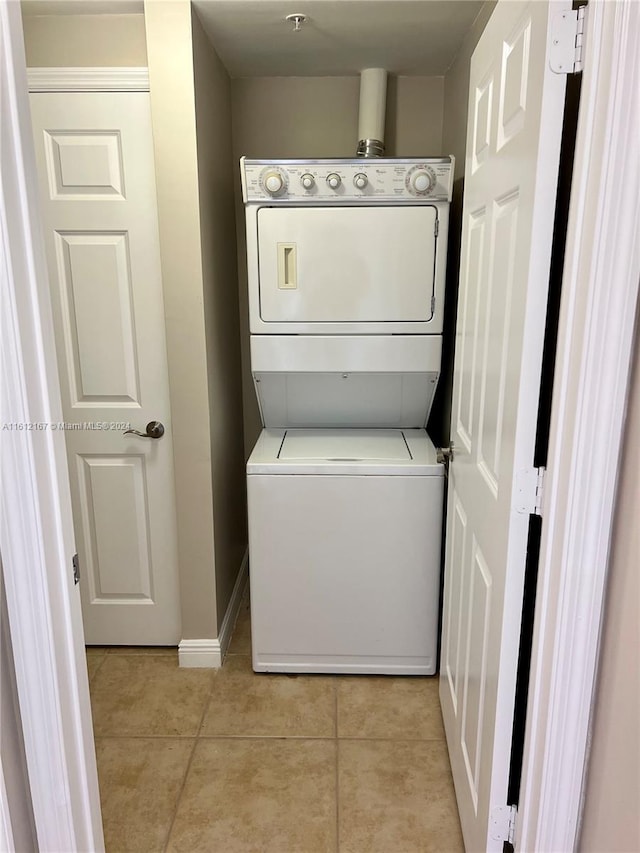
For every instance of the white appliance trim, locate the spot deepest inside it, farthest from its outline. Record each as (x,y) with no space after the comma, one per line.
(371,353)
(599,298)
(210,653)
(88,79)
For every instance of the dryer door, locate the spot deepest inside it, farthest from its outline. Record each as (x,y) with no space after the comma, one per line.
(346,265)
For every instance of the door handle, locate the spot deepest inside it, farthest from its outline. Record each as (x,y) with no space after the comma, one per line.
(154,430)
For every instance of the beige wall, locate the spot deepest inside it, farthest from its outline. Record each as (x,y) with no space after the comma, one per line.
(454,137)
(220,276)
(170,59)
(318,117)
(84,40)
(611,816)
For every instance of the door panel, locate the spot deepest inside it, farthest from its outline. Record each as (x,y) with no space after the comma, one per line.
(114,499)
(97,185)
(84,165)
(93,272)
(452,650)
(513,145)
(372,264)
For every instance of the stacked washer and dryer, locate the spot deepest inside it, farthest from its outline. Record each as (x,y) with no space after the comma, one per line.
(346,272)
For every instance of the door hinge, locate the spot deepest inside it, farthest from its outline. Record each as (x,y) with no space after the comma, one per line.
(75,562)
(503,823)
(567,41)
(530,491)
(436,227)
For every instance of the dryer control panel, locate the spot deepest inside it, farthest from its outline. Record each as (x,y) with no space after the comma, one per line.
(361,180)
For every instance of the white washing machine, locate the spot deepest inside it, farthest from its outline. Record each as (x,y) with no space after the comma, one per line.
(344,531)
(346,267)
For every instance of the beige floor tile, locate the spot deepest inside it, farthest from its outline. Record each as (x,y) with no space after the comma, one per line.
(266,705)
(171,651)
(140,781)
(396,797)
(264,796)
(96,650)
(389,707)
(148,695)
(241,638)
(94,662)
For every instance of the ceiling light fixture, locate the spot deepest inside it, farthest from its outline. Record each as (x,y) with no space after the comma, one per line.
(297,19)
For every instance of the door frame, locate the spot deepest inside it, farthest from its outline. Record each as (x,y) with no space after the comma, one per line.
(598,307)
(594,354)
(36,525)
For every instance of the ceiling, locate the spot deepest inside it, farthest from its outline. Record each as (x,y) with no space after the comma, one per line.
(340,37)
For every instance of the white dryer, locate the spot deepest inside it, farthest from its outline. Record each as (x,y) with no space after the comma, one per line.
(346,268)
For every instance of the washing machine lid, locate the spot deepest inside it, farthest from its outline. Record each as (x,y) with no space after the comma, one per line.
(333,452)
(336,445)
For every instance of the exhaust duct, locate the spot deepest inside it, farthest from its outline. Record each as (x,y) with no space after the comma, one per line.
(373,102)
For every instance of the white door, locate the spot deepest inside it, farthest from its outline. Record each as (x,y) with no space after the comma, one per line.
(97,187)
(513,143)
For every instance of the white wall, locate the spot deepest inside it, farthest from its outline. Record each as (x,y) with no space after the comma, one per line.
(318,117)
(611,816)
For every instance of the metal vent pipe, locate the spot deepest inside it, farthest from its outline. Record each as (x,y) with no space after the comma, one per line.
(373,103)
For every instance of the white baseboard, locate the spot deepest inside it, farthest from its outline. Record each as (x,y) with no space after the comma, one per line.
(210,653)
(200,653)
(229,621)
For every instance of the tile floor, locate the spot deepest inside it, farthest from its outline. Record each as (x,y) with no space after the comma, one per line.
(228,761)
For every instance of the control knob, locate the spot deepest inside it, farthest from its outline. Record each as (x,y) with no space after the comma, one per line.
(308,181)
(360,181)
(273,182)
(421,181)
(334,180)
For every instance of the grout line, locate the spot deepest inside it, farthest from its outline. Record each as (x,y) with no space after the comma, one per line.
(217,737)
(356,739)
(100,736)
(266,737)
(337,796)
(91,677)
(189,763)
(249,736)
(179,797)
(337,778)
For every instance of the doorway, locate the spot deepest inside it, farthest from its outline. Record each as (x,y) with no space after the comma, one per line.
(425,82)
